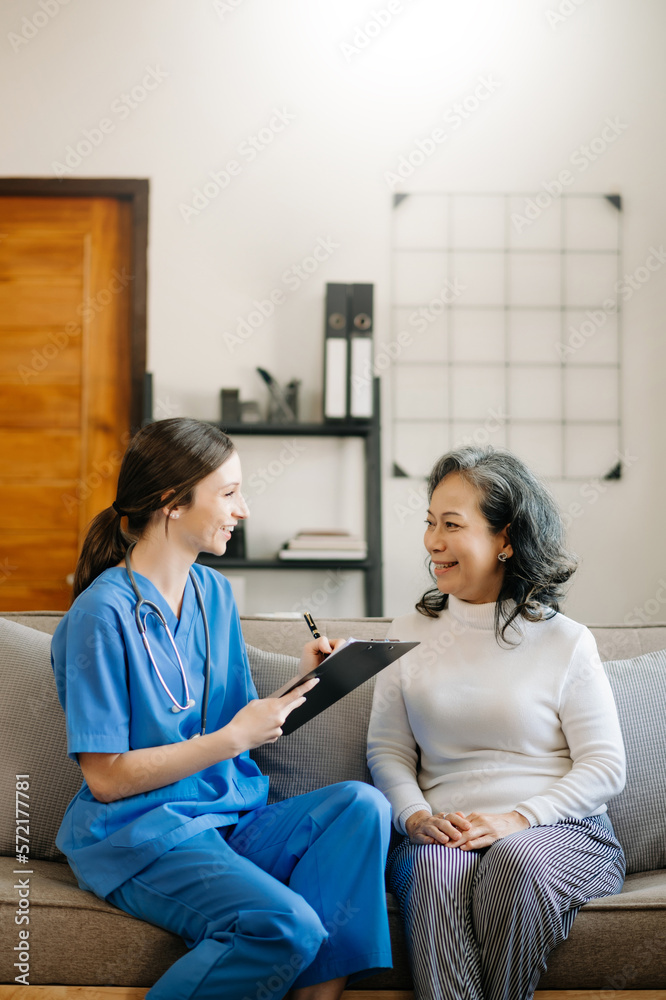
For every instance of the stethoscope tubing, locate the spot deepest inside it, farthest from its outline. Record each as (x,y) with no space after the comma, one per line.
(153,609)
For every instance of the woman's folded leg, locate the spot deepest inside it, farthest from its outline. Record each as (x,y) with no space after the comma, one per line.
(249,935)
(528,889)
(330,847)
(434,886)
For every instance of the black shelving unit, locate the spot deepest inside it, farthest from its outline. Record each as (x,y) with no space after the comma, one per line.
(369,431)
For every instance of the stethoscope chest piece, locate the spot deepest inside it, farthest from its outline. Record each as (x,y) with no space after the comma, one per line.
(189,704)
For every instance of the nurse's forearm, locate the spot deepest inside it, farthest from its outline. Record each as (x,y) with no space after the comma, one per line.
(112,776)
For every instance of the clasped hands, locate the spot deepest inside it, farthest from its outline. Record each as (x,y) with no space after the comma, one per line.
(469,833)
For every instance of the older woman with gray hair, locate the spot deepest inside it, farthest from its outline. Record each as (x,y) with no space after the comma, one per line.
(496,741)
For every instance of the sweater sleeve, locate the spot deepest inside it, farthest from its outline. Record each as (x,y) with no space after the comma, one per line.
(392,749)
(590,724)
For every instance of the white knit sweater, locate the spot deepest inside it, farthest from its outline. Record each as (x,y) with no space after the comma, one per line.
(532,728)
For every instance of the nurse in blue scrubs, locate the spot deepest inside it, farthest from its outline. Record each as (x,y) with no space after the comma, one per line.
(171,822)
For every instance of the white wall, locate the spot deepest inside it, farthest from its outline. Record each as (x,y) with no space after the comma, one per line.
(228,66)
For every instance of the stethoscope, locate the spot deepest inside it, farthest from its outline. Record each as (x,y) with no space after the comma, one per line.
(153,609)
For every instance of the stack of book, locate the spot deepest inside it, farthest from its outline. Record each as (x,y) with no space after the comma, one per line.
(324,544)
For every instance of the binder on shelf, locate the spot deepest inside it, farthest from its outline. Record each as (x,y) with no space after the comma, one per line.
(336,351)
(360,356)
(348,375)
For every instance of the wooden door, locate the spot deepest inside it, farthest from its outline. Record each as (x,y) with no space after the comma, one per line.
(65,384)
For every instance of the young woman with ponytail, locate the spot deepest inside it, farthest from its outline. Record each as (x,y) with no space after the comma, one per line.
(171,822)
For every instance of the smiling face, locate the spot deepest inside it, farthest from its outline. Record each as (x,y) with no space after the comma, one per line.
(206,524)
(462,547)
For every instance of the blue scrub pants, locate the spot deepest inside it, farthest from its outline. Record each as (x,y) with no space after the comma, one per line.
(291,896)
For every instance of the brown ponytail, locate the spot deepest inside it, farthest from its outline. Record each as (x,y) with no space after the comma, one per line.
(168,457)
(105,545)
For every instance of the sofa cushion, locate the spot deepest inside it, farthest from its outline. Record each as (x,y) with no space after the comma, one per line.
(41,621)
(616,943)
(330,748)
(288,635)
(638,813)
(34,740)
(622,642)
(84,940)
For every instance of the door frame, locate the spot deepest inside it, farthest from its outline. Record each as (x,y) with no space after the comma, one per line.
(135,191)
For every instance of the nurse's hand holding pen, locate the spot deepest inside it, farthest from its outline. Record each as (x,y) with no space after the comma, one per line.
(261,721)
(316,651)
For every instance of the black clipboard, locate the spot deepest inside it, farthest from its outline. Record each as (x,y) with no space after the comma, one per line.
(342,671)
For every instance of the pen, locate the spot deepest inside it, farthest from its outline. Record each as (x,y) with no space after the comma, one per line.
(312,625)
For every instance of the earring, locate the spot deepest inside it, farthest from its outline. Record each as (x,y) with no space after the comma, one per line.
(502,557)
(173,514)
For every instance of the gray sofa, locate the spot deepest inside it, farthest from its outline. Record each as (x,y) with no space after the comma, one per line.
(617,943)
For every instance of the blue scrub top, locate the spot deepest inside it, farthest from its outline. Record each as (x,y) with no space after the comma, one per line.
(114,702)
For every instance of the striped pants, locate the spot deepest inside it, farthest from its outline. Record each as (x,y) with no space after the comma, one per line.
(481,924)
